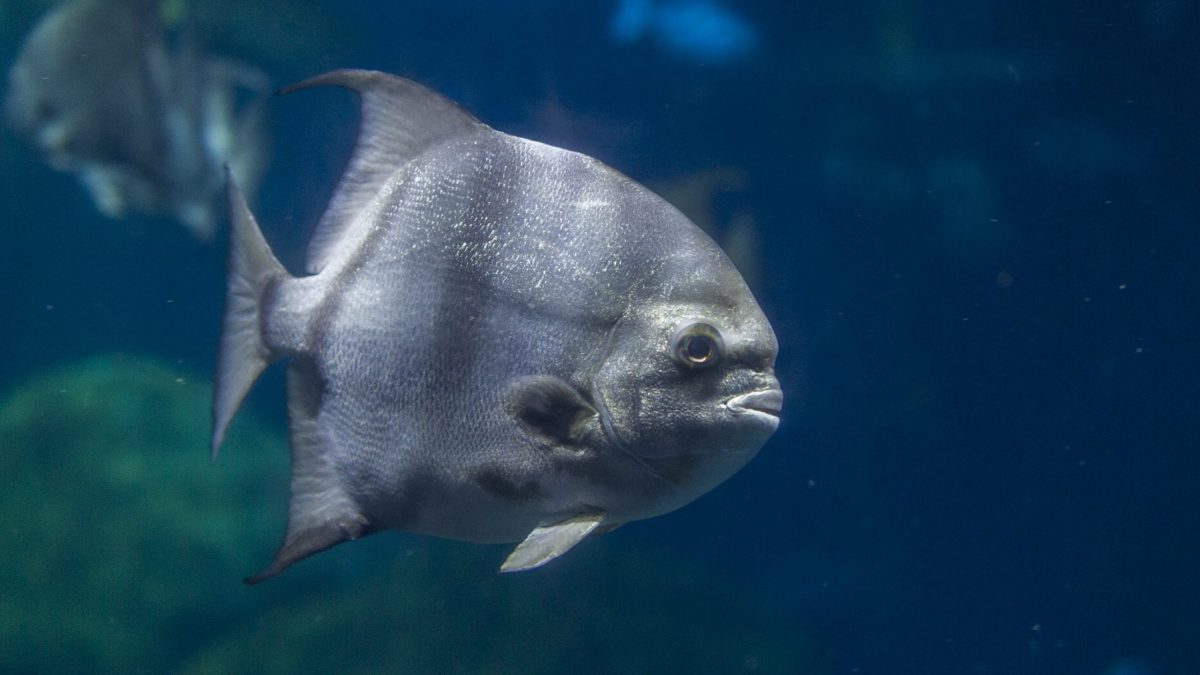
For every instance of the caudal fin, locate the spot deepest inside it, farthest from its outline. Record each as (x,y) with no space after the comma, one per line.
(243,353)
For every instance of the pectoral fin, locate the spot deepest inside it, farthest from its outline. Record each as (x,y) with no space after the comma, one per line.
(549,406)
(550,541)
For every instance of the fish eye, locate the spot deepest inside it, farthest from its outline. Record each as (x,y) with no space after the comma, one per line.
(698,345)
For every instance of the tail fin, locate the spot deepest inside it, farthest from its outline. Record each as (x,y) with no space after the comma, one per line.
(243,354)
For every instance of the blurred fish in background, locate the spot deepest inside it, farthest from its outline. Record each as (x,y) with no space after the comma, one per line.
(692,30)
(1130,667)
(717,201)
(119,93)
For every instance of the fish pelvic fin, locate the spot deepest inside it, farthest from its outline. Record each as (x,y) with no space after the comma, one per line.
(243,353)
(547,542)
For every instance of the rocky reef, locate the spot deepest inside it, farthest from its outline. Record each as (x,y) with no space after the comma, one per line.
(443,609)
(123,543)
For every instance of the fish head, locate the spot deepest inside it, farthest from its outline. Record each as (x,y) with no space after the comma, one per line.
(81,89)
(38,109)
(687,387)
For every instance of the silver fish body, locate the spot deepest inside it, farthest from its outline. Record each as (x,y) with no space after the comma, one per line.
(101,92)
(497,341)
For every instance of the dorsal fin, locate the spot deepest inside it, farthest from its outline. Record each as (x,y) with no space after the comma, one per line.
(400,120)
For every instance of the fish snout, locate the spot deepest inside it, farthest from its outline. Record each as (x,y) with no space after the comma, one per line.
(765,403)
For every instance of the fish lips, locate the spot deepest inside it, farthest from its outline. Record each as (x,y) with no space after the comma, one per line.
(762,406)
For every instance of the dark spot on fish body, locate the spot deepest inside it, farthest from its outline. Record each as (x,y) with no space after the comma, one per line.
(676,469)
(612,472)
(494,482)
(267,300)
(403,509)
(305,386)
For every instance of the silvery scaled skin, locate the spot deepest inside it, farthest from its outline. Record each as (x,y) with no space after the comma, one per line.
(497,341)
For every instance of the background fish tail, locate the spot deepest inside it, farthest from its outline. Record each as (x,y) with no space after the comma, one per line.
(243,353)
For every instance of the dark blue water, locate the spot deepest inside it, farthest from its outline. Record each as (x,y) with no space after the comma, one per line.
(978,243)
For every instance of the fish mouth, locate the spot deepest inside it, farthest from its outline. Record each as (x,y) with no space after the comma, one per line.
(765,403)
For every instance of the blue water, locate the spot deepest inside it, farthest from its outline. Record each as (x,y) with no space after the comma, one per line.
(978,245)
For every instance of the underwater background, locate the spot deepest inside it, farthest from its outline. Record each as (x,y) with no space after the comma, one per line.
(973,225)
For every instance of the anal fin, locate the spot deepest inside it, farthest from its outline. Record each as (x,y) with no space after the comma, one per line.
(547,542)
(320,512)
(312,539)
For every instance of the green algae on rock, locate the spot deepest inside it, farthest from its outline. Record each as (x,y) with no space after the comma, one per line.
(122,540)
(443,609)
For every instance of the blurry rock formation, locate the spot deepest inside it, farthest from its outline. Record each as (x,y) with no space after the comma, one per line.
(120,536)
(444,610)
